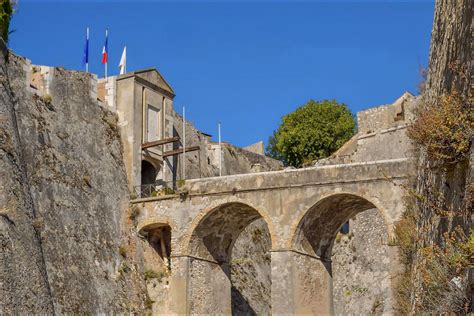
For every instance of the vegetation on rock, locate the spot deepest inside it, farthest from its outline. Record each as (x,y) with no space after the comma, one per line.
(444,128)
(313,131)
(435,242)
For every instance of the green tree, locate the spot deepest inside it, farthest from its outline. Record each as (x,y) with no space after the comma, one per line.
(6,11)
(313,131)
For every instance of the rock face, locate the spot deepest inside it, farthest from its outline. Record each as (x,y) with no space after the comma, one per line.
(24,285)
(451,48)
(450,71)
(64,199)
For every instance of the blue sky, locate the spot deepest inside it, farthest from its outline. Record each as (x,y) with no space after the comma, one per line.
(244,63)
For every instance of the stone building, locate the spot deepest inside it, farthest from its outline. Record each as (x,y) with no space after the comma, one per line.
(151,131)
(143,101)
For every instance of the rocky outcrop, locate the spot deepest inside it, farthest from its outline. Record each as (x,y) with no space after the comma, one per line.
(24,284)
(444,187)
(64,200)
(451,48)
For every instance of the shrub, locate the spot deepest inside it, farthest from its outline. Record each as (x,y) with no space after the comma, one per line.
(134,212)
(152,274)
(444,128)
(168,191)
(443,273)
(149,302)
(123,251)
(47,99)
(405,234)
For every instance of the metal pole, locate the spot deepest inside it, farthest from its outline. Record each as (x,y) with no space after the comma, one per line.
(220,149)
(87,51)
(184,143)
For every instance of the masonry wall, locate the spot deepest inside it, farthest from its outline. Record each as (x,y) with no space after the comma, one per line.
(361,274)
(205,162)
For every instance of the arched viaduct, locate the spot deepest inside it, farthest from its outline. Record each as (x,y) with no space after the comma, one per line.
(303,209)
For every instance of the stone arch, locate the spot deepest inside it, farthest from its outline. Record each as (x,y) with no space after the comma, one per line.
(154,222)
(214,235)
(149,172)
(316,229)
(186,243)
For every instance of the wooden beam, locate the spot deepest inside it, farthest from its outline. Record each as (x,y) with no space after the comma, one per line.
(179,151)
(160,142)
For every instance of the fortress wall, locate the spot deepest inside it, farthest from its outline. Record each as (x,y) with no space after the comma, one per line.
(205,162)
(386,116)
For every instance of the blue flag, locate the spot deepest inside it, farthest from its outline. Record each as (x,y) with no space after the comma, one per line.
(85,57)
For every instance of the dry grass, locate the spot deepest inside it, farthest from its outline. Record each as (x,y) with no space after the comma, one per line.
(443,128)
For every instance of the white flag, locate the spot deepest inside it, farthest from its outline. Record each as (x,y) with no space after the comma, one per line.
(123,61)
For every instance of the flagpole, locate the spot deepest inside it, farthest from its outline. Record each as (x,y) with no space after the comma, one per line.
(220,150)
(184,143)
(87,58)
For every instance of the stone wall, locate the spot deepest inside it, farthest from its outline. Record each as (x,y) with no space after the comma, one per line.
(251,271)
(361,267)
(73,249)
(205,162)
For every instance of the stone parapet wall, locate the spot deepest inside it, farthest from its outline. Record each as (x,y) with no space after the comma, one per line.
(395,168)
(386,116)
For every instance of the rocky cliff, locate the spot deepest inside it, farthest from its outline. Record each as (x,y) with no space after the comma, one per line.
(24,285)
(63,199)
(450,64)
(440,186)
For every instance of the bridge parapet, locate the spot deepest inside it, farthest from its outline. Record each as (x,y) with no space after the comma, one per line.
(313,176)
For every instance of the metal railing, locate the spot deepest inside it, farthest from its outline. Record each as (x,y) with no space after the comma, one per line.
(159,188)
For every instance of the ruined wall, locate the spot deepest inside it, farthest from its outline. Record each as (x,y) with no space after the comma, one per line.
(237,160)
(64,200)
(205,162)
(381,134)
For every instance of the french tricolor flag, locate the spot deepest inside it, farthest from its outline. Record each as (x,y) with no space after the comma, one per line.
(105,49)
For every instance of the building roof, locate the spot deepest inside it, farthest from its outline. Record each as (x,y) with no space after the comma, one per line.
(151,75)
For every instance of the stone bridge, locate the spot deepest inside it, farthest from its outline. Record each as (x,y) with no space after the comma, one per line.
(303,209)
